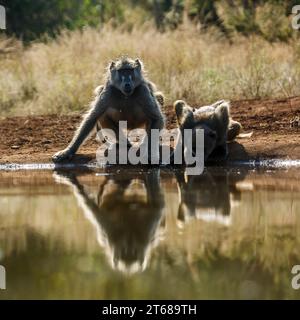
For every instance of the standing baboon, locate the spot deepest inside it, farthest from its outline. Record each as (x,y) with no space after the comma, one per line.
(128,96)
(127,214)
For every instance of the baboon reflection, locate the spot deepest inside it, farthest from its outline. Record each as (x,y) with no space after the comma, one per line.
(126,215)
(207,197)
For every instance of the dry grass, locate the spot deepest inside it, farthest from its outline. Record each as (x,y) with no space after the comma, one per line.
(59,76)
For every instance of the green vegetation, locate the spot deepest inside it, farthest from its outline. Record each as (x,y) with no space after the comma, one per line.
(29,20)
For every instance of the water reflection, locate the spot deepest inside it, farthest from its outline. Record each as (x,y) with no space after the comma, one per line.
(130,233)
(208,197)
(126,215)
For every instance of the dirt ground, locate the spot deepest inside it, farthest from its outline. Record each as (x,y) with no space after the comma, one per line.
(275,124)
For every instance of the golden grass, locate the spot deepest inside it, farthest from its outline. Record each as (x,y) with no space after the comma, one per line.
(59,76)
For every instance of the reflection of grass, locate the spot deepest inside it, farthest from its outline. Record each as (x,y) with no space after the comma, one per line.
(59,76)
(48,239)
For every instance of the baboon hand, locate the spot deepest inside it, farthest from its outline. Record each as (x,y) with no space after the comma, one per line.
(62,155)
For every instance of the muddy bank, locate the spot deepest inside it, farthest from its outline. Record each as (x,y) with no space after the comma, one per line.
(274,122)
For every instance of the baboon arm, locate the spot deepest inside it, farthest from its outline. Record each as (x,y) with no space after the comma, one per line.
(151,108)
(234,129)
(84,130)
(152,87)
(87,204)
(98,107)
(152,184)
(156,118)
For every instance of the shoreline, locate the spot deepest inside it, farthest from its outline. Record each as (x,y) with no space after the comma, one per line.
(276,134)
(251,164)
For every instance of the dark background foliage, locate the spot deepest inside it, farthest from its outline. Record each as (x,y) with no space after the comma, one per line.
(29,20)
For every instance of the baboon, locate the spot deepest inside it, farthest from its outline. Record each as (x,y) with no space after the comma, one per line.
(209,196)
(216,122)
(127,214)
(127,95)
(157,94)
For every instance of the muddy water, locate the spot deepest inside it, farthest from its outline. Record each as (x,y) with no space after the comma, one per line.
(124,233)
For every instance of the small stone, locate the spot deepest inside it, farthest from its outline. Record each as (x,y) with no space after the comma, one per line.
(15,147)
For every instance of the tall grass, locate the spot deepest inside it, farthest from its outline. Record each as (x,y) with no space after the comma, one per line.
(58,76)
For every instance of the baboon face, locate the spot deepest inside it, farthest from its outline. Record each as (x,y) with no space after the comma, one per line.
(126,75)
(186,120)
(205,197)
(130,233)
(210,139)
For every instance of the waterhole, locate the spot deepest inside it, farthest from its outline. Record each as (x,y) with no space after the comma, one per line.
(230,233)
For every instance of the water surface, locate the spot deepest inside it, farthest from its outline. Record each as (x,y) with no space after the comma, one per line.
(230,233)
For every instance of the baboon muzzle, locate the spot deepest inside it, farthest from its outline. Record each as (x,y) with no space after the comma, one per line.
(127,89)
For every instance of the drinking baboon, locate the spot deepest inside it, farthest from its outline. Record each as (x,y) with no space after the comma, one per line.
(216,122)
(209,196)
(128,96)
(127,214)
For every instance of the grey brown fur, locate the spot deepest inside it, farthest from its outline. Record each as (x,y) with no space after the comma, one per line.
(127,95)
(216,122)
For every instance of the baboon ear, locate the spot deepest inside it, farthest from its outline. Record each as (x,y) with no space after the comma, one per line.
(184,113)
(222,113)
(112,65)
(138,63)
